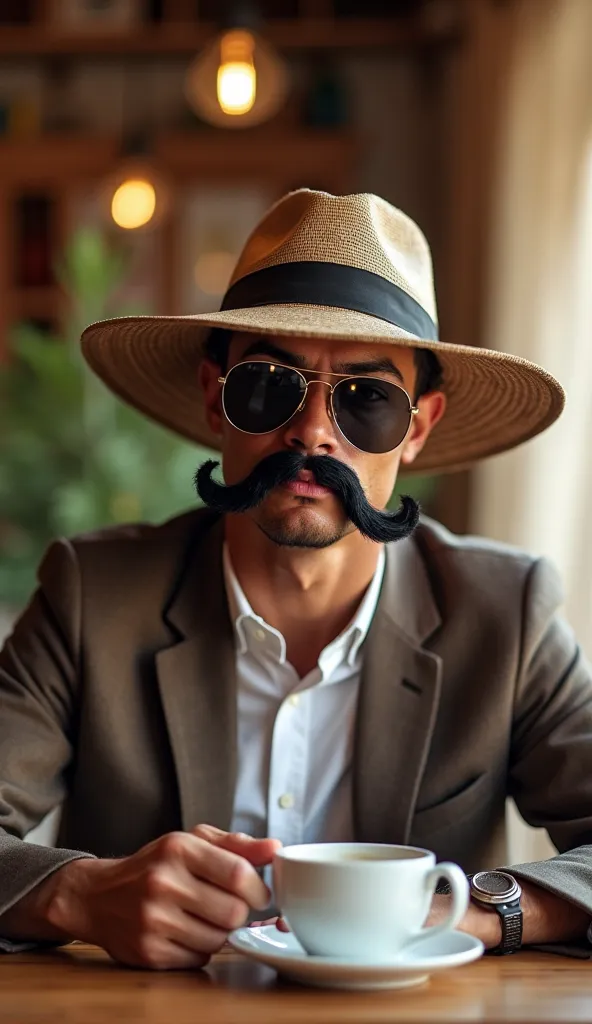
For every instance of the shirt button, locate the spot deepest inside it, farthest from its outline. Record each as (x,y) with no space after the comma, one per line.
(259,634)
(286,801)
(294,700)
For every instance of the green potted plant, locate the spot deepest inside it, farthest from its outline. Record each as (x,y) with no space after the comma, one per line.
(72,456)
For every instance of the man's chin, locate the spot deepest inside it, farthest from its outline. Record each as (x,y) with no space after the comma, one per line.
(302,528)
(284,538)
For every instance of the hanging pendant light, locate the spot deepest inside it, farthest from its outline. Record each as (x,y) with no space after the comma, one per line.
(238,80)
(136,194)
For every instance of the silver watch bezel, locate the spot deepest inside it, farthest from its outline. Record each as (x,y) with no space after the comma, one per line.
(512,893)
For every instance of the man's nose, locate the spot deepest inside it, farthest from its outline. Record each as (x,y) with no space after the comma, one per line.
(312,429)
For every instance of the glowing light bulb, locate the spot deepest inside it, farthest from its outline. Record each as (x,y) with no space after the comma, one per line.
(133,203)
(236,88)
(236,81)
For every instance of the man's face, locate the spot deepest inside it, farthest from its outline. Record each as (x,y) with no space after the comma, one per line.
(316,519)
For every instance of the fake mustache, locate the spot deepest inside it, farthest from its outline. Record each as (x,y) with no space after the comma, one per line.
(283,467)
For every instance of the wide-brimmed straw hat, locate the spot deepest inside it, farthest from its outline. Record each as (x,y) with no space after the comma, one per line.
(352,268)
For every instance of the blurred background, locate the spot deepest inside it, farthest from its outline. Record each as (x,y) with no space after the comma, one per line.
(140,141)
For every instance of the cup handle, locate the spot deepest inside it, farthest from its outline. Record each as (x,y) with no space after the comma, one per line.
(460,897)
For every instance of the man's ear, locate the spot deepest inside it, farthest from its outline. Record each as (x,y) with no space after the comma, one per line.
(432,407)
(212,390)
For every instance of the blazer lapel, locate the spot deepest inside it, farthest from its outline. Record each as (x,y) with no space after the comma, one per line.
(196,677)
(398,701)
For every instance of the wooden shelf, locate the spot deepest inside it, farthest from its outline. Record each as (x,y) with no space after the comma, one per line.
(43,159)
(240,153)
(266,154)
(178,39)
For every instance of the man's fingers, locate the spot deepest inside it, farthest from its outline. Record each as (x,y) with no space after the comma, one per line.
(208,832)
(216,906)
(277,921)
(195,935)
(227,870)
(258,852)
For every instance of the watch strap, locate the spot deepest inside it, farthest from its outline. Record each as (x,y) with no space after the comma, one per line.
(511,917)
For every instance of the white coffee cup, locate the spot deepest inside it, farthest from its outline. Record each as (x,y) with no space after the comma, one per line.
(362,900)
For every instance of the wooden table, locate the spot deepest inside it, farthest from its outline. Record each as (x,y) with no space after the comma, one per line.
(79,985)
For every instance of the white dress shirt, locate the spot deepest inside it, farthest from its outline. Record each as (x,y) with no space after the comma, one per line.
(295,736)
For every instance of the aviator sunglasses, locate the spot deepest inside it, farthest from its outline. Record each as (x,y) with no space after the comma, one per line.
(259,396)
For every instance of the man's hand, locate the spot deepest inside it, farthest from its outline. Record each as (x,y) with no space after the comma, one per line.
(546,918)
(170,905)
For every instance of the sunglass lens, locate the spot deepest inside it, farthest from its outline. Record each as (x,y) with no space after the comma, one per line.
(373,414)
(259,397)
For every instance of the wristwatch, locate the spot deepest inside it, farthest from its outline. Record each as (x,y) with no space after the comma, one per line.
(499,891)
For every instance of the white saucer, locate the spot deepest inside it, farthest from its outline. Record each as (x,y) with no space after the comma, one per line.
(282,951)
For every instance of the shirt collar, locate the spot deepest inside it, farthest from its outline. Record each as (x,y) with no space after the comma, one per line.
(252,632)
(343,649)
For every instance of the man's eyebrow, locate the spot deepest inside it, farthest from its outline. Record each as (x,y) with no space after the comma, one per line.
(382,364)
(262,347)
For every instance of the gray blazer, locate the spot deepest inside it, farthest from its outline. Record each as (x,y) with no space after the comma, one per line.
(117,699)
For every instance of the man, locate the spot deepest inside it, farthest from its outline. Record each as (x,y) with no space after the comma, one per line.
(295,663)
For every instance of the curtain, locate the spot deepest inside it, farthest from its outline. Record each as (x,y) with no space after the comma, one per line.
(540,307)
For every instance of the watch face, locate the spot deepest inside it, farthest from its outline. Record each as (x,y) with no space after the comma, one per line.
(496,886)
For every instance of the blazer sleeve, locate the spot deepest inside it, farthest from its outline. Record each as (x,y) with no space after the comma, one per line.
(551,751)
(38,698)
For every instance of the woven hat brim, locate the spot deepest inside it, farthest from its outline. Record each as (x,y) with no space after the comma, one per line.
(495,401)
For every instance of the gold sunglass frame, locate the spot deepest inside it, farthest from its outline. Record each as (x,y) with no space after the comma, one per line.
(413,409)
